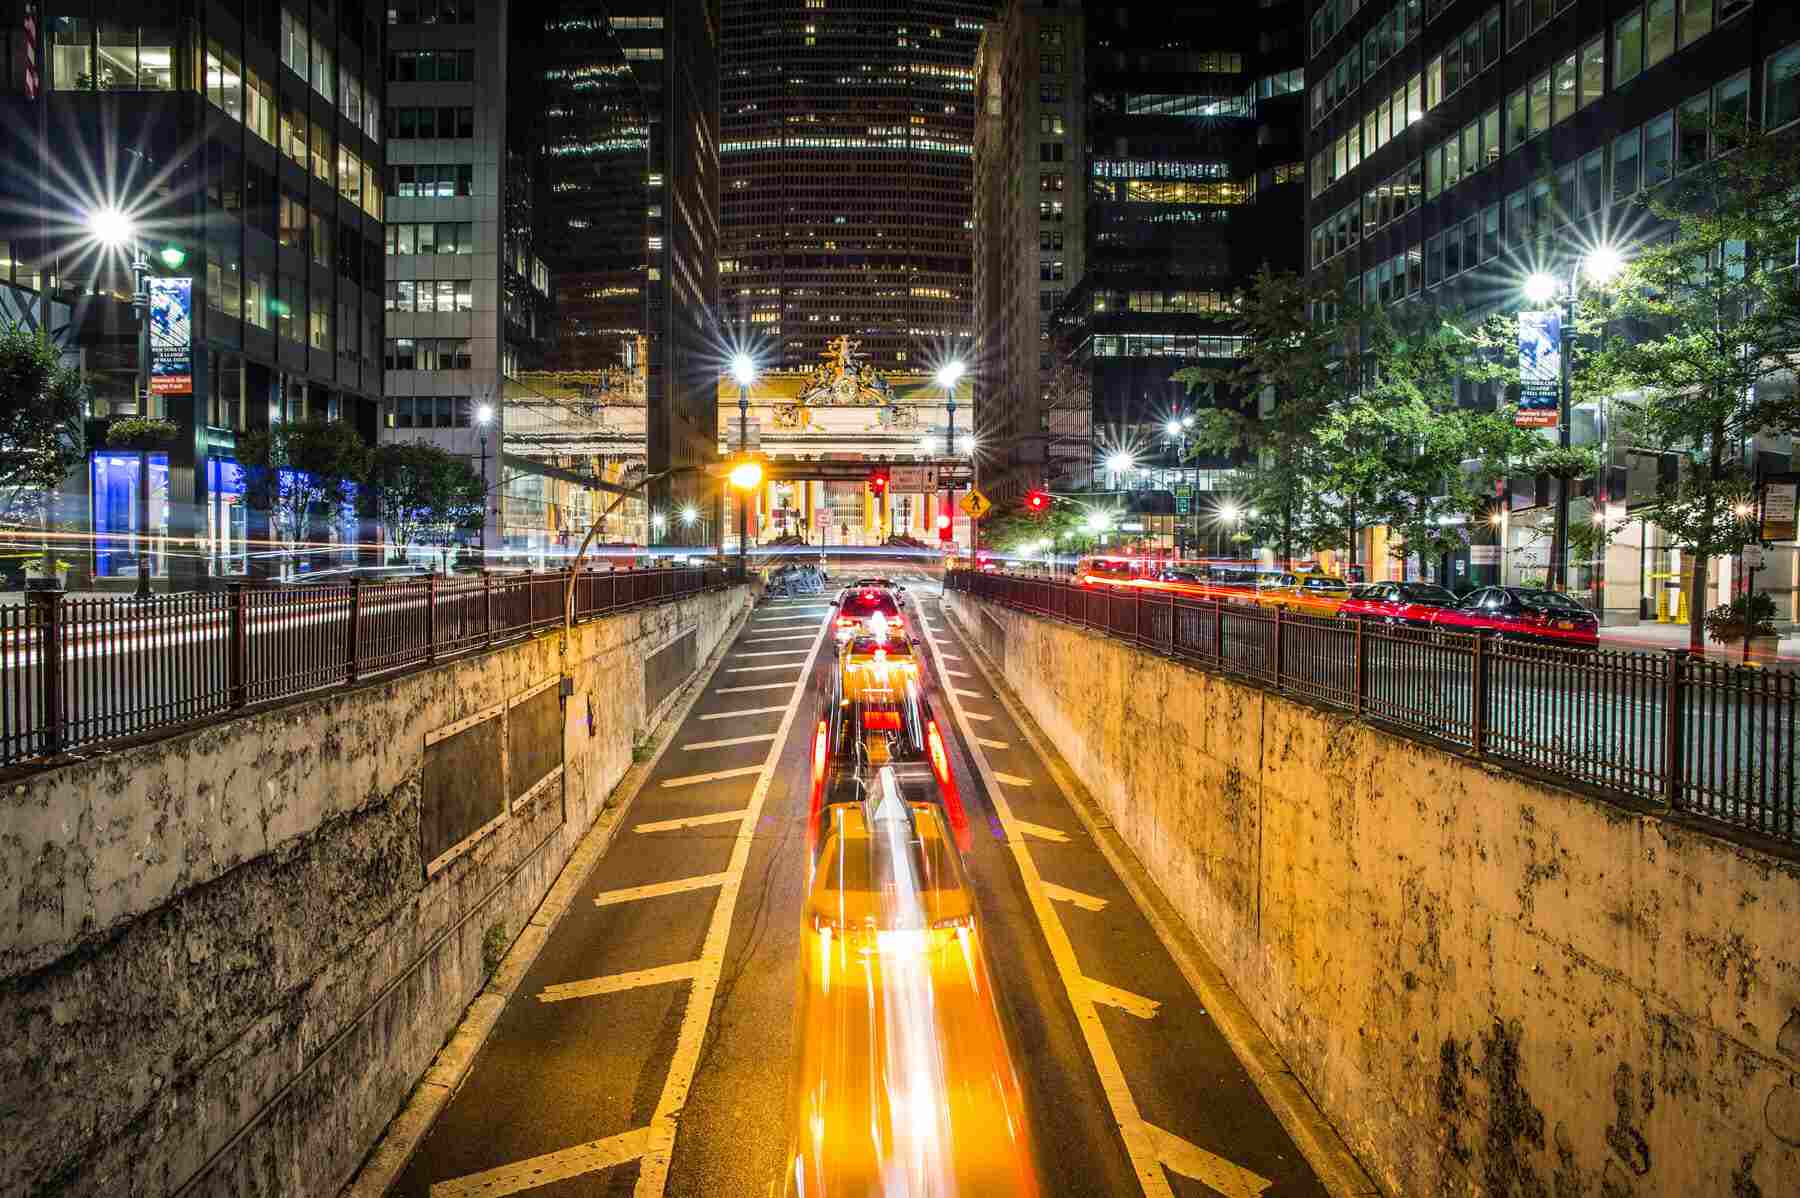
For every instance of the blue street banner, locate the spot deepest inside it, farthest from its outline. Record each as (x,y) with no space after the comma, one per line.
(171,336)
(1540,369)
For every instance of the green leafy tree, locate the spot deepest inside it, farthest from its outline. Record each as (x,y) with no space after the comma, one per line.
(423,494)
(41,405)
(1703,340)
(1010,527)
(301,474)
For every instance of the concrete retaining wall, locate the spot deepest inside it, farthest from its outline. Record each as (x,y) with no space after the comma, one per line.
(222,964)
(1493,987)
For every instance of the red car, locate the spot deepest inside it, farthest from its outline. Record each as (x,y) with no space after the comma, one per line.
(1524,614)
(1396,602)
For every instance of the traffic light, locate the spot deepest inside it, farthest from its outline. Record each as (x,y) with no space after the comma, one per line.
(943,525)
(878,481)
(1037,503)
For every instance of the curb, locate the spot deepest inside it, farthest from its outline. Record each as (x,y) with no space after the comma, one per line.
(451,1067)
(1313,1134)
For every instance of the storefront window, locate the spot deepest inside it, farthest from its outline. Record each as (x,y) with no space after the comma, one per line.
(226,517)
(117,542)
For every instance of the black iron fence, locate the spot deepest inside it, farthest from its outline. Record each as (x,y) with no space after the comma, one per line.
(81,672)
(1705,737)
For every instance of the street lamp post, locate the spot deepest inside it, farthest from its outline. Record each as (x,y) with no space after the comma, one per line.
(948,375)
(1601,265)
(484,416)
(743,369)
(113,228)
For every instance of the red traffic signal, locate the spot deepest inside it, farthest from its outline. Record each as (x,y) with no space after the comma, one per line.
(1037,502)
(878,481)
(943,526)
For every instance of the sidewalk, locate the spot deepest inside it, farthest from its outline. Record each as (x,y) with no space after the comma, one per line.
(1653,637)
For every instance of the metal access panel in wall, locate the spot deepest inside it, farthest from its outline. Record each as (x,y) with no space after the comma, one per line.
(534,742)
(463,786)
(669,667)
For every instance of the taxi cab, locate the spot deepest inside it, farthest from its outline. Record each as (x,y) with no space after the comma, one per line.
(858,608)
(1306,594)
(904,1081)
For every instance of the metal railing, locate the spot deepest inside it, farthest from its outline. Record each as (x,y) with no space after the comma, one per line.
(85,672)
(1706,738)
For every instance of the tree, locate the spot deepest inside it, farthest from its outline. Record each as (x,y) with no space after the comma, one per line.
(301,474)
(1010,527)
(423,494)
(1702,340)
(41,406)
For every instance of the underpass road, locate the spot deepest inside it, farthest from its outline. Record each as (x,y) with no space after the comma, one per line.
(660,1011)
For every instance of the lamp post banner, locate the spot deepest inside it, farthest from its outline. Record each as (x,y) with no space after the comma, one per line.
(1540,369)
(171,336)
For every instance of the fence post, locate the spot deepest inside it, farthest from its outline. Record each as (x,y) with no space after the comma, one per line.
(1674,726)
(353,664)
(1137,617)
(1172,611)
(1360,684)
(50,667)
(431,619)
(1276,638)
(238,664)
(487,608)
(1478,698)
(1218,606)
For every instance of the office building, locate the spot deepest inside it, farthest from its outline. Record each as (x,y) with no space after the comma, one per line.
(467,296)
(242,144)
(846,153)
(1135,166)
(627,108)
(1455,147)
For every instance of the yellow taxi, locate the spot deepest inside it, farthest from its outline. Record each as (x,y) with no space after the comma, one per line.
(1304,593)
(904,1081)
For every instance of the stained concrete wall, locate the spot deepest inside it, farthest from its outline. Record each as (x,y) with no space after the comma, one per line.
(222,965)
(1493,987)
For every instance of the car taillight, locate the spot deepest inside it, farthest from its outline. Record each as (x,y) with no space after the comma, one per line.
(883,720)
(940,762)
(818,756)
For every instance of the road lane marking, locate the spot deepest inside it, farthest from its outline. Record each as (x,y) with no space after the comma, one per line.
(1013,779)
(613,983)
(1053,835)
(988,743)
(726,715)
(773,653)
(753,669)
(779,623)
(764,640)
(560,1165)
(653,1174)
(632,894)
(958,674)
(743,771)
(1319,1143)
(690,821)
(976,715)
(1146,1162)
(951,656)
(695,746)
(1196,1163)
(967,694)
(1062,894)
(1125,1000)
(761,686)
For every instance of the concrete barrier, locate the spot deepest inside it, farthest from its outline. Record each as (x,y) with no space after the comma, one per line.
(224,962)
(1494,987)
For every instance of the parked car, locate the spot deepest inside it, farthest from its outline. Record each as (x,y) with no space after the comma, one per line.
(1522,614)
(1410,603)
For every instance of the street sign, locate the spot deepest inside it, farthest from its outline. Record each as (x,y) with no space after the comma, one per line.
(975,505)
(1484,555)
(913,480)
(1778,523)
(1753,557)
(1181,504)
(745,436)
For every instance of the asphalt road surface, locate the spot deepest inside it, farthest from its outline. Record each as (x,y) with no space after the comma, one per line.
(650,1049)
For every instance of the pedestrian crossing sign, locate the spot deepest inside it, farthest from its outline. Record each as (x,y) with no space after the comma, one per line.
(975,505)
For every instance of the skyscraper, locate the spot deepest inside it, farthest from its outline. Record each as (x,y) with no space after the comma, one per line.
(628,210)
(847,136)
(1138,164)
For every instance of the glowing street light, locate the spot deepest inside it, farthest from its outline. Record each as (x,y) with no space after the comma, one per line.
(112,227)
(484,419)
(951,372)
(948,375)
(688,515)
(1121,462)
(745,476)
(743,369)
(1601,265)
